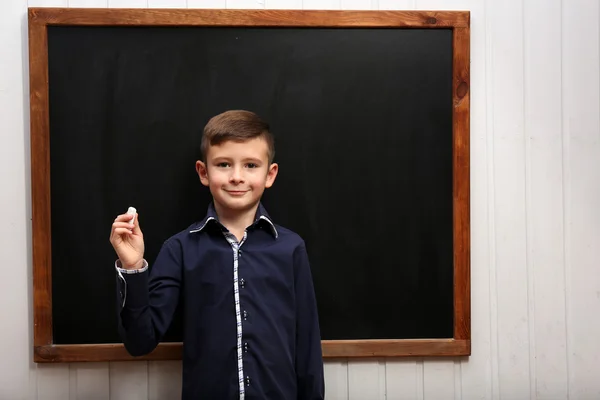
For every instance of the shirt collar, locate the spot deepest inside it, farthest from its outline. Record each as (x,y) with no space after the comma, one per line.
(211,215)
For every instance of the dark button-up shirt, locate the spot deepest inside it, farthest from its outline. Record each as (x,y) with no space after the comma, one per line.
(250,323)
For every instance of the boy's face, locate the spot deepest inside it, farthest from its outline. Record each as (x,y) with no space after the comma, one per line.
(237,173)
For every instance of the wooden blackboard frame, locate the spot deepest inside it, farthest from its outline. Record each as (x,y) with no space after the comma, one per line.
(40,18)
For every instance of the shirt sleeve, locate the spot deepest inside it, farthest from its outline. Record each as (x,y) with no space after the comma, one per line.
(148,299)
(309,357)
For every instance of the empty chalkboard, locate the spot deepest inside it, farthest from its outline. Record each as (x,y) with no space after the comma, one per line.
(370,118)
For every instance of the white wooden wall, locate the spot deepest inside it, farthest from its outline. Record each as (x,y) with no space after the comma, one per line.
(535,134)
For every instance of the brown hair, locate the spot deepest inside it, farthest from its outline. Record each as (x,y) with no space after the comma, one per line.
(236,125)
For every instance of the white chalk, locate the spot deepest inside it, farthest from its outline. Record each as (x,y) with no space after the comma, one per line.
(132,211)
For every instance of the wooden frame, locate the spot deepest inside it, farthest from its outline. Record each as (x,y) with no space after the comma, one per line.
(41,18)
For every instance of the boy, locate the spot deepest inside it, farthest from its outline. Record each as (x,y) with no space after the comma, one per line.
(250,319)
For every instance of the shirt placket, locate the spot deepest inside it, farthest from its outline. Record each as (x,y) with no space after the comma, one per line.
(235,246)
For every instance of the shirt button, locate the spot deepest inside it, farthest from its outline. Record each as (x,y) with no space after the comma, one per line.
(245,315)
(242,283)
(245,347)
(248,381)
(239,253)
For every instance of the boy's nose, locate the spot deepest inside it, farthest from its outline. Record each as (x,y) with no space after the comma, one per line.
(236,175)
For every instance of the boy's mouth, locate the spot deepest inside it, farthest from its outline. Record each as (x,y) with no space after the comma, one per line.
(236,192)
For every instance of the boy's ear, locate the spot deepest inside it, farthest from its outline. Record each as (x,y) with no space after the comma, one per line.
(272,174)
(202,172)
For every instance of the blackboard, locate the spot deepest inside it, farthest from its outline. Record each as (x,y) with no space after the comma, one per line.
(370,115)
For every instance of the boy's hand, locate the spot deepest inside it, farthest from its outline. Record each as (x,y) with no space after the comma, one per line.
(128,241)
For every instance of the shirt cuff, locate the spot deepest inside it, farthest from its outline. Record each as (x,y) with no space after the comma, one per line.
(131,271)
(122,287)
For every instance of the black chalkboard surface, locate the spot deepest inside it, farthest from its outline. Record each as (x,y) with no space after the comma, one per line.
(365,127)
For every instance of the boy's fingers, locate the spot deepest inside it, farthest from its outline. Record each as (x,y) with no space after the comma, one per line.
(122,225)
(122,231)
(123,218)
(136,225)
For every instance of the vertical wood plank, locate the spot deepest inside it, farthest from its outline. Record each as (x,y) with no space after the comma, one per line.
(543,126)
(438,379)
(396,4)
(206,3)
(356,4)
(167,3)
(47,3)
(129,380)
(284,4)
(321,4)
(88,3)
(127,3)
(336,379)
(401,379)
(510,199)
(491,204)
(92,381)
(73,381)
(458,391)
(53,381)
(581,141)
(364,379)
(18,377)
(164,380)
(247,4)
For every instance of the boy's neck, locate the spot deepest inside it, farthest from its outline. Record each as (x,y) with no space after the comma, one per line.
(236,221)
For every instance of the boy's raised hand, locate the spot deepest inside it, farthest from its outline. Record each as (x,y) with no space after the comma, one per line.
(128,241)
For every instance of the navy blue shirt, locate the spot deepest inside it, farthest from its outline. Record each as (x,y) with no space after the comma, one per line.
(250,323)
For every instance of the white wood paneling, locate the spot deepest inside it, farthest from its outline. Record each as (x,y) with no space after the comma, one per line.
(543,128)
(164,380)
(53,381)
(167,3)
(87,3)
(321,4)
(46,3)
(284,4)
(396,4)
(336,380)
(15,227)
(127,3)
(581,149)
(246,4)
(490,204)
(358,4)
(129,380)
(206,4)
(403,379)
(366,379)
(512,265)
(438,379)
(92,381)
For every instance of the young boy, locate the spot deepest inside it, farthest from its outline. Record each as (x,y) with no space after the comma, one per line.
(250,318)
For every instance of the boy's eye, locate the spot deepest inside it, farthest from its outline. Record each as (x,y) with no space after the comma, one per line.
(223,165)
(251,165)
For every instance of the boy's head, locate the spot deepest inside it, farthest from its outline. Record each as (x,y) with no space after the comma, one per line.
(237,126)
(237,159)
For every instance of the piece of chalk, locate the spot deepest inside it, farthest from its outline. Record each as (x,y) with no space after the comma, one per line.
(132,211)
